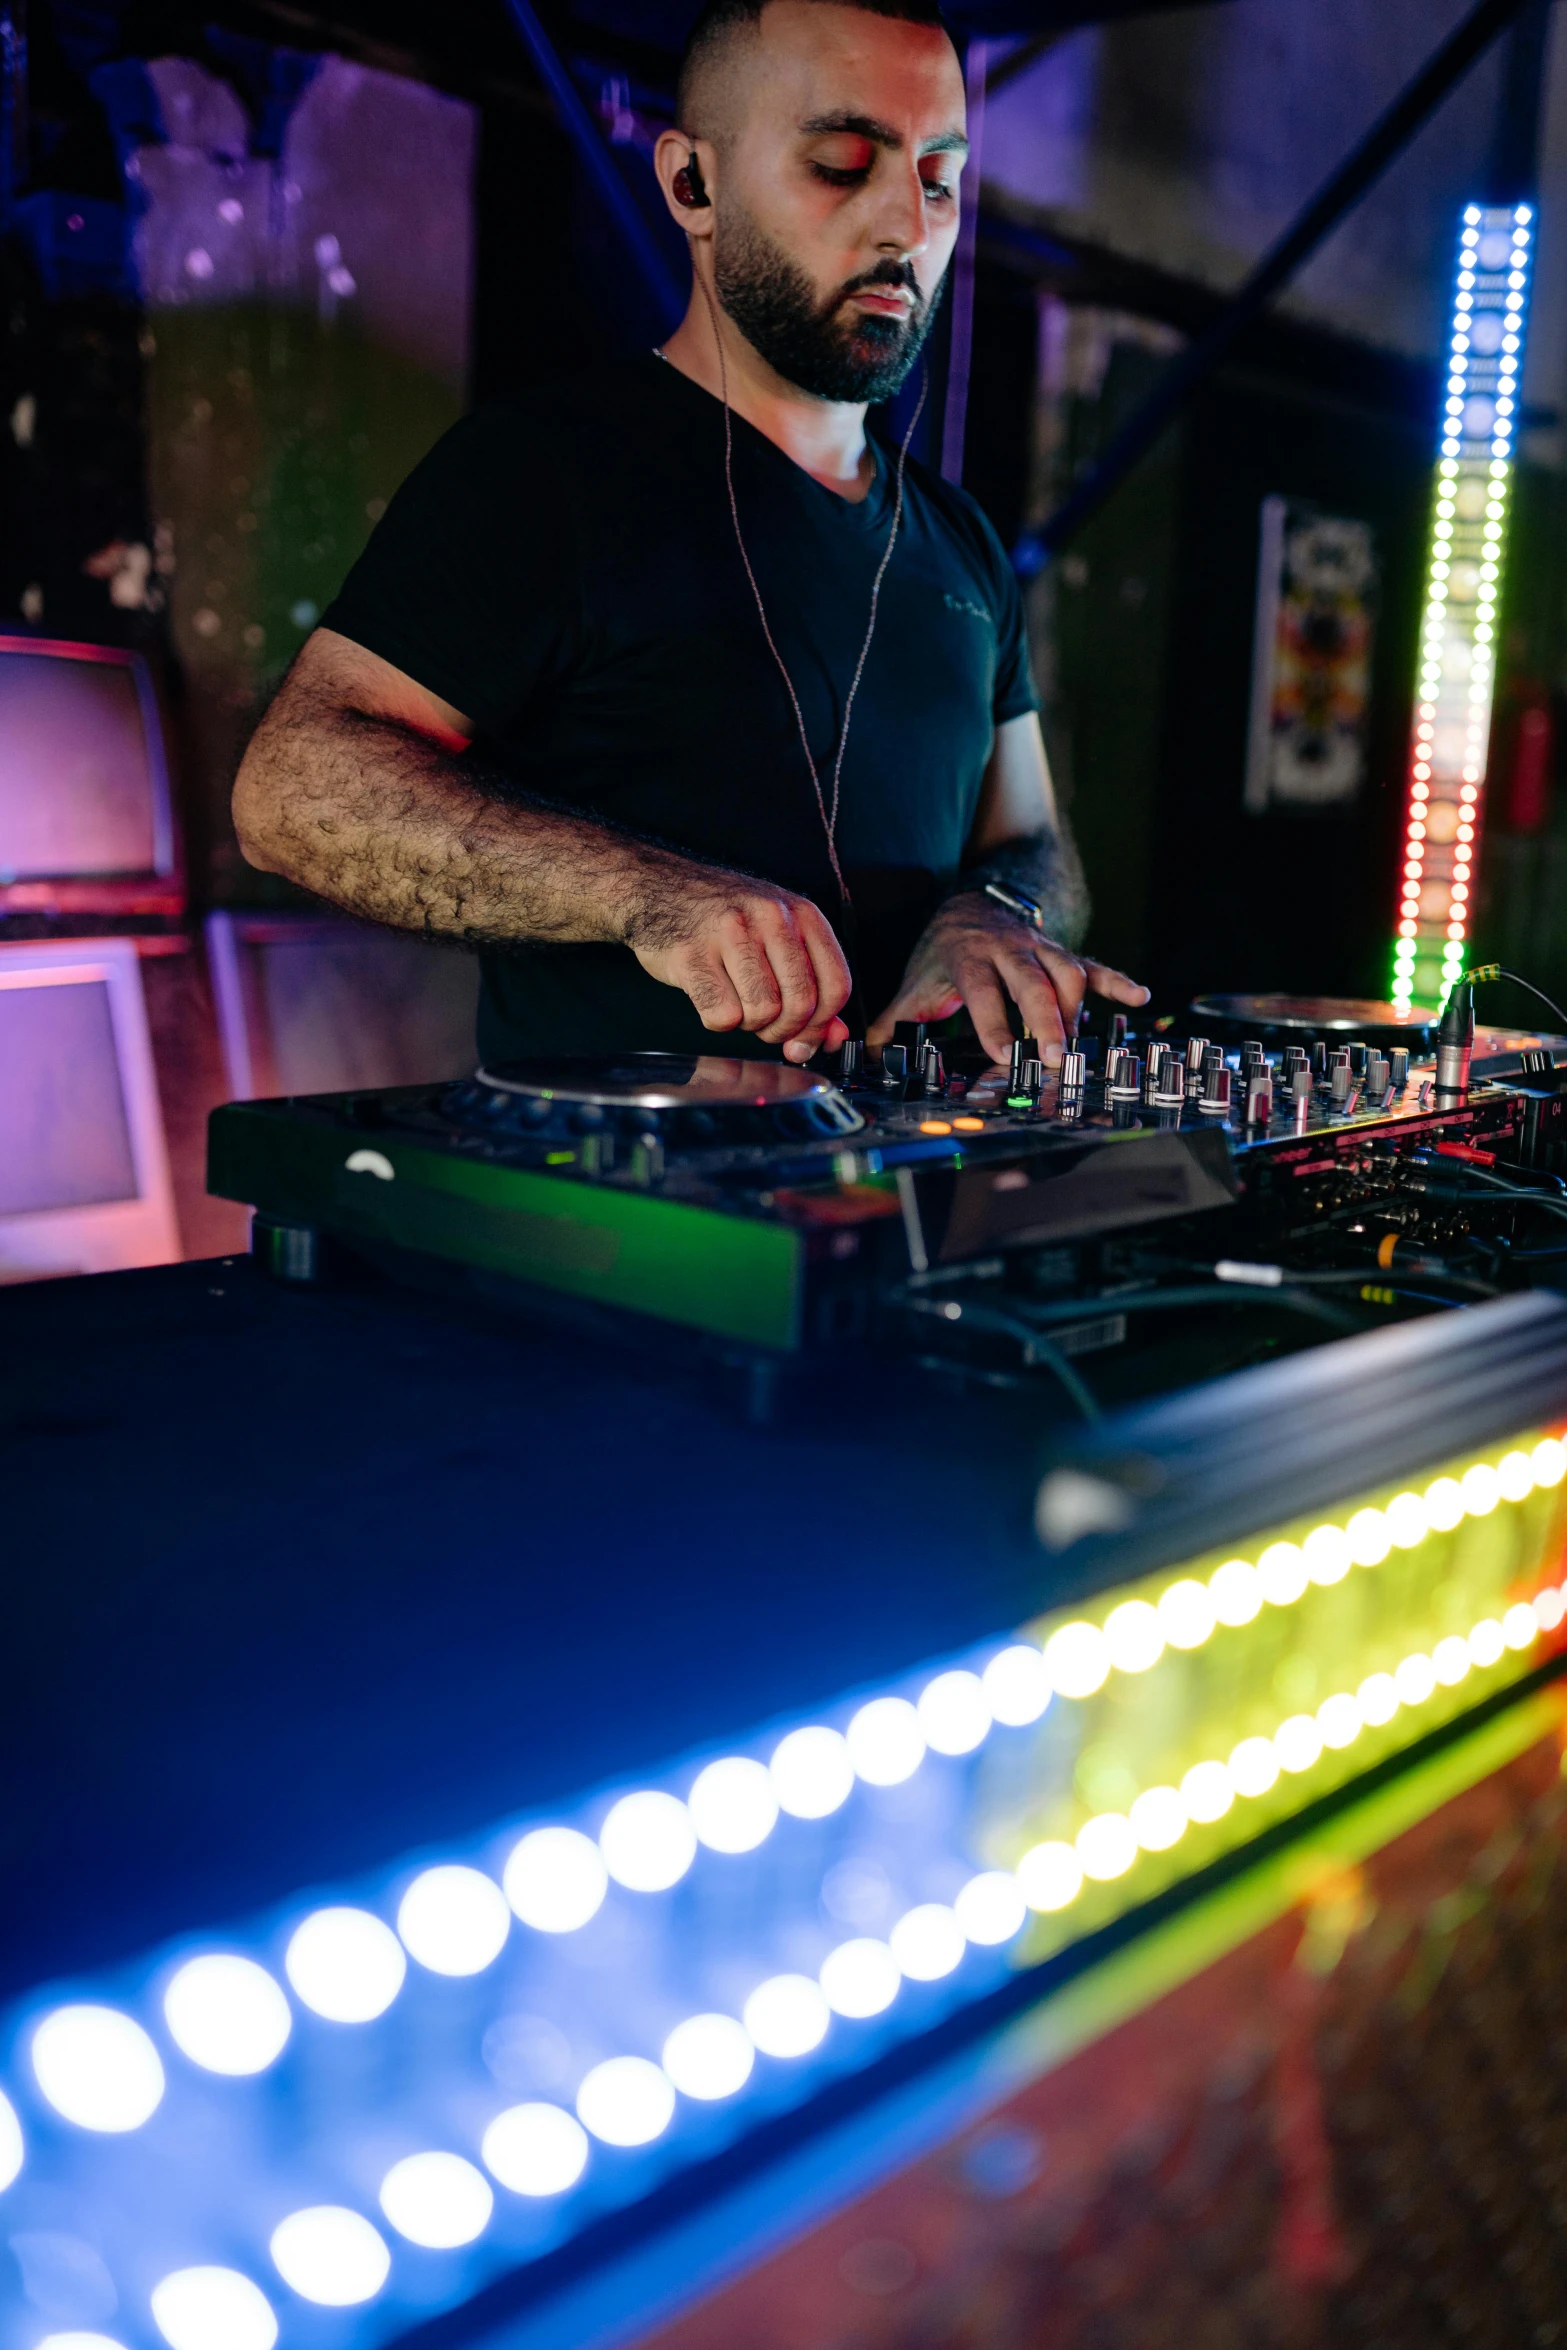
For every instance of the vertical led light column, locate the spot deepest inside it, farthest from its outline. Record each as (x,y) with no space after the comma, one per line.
(1458,635)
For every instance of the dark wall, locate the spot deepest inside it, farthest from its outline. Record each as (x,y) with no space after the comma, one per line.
(1104,609)
(998,431)
(1152,619)
(1286,899)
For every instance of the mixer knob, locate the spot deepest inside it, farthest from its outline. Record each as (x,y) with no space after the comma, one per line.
(894,1063)
(1340,1077)
(1301,1085)
(934,1070)
(911,1035)
(1378,1076)
(1398,1062)
(1127,1081)
(1118,1028)
(851,1061)
(1319,1061)
(1215,1099)
(1259,1095)
(1358,1056)
(1024,1049)
(1167,1086)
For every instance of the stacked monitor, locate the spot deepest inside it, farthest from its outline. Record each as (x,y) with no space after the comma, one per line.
(84,1174)
(86,824)
(315,1004)
(87,841)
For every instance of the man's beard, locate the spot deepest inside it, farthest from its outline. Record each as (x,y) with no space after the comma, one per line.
(855,357)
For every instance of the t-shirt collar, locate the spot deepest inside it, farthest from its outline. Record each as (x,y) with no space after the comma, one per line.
(857,513)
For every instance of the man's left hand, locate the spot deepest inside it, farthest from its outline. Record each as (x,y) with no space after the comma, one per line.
(976,953)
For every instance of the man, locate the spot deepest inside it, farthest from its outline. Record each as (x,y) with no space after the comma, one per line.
(669,687)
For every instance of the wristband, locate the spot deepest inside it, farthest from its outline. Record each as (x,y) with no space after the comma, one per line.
(1017,902)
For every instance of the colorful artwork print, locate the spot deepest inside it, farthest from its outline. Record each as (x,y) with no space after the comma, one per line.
(1311,676)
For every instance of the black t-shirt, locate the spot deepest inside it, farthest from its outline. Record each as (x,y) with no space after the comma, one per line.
(562,568)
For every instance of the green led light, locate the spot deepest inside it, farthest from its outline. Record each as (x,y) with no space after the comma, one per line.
(1202,1705)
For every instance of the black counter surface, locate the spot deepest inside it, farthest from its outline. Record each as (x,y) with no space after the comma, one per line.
(296,1581)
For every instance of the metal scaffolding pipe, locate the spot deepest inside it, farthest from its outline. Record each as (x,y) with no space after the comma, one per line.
(1360,170)
(587,138)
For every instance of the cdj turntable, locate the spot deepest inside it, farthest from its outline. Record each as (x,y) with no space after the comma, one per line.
(748,1199)
(775,1208)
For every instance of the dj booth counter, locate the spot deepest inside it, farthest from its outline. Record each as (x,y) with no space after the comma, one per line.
(724,1846)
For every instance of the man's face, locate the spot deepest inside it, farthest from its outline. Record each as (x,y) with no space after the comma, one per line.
(837,205)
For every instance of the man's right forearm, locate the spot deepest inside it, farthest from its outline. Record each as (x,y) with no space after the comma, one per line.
(385,822)
(384,817)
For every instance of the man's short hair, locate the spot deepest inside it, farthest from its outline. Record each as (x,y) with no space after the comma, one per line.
(722,21)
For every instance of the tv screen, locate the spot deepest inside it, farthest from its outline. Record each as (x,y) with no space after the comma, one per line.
(67,1137)
(82,787)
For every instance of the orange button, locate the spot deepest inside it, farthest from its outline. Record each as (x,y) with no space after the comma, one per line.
(968,1125)
(934,1126)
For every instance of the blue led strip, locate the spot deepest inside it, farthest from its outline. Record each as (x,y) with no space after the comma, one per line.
(1452,724)
(360,2110)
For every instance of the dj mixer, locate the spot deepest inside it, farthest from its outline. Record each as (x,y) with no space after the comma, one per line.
(900,1202)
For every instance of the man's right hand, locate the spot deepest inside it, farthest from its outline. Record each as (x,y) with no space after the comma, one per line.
(749,955)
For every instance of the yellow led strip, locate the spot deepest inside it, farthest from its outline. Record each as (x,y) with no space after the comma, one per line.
(1052,1874)
(1081,1656)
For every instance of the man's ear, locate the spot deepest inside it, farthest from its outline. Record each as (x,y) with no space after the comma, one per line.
(686,169)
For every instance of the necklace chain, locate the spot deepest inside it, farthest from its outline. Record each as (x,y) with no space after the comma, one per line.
(828,811)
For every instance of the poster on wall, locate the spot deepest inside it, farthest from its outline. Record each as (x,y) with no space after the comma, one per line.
(1311,658)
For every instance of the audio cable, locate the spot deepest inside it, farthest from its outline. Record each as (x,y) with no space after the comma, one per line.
(1495,971)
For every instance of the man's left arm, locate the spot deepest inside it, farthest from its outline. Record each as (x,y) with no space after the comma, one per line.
(976,952)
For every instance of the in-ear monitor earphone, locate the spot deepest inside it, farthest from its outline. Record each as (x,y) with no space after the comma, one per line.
(690,189)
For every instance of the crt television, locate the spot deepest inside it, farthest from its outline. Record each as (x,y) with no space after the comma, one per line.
(86,823)
(310,1003)
(84,1173)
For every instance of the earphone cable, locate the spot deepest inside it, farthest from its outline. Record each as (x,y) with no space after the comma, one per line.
(829,815)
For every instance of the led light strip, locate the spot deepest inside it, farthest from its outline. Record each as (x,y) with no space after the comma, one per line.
(1052,1874)
(1458,663)
(1081,1656)
(100,2069)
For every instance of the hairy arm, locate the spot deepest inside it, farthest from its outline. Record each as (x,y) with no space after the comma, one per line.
(975,952)
(355,785)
